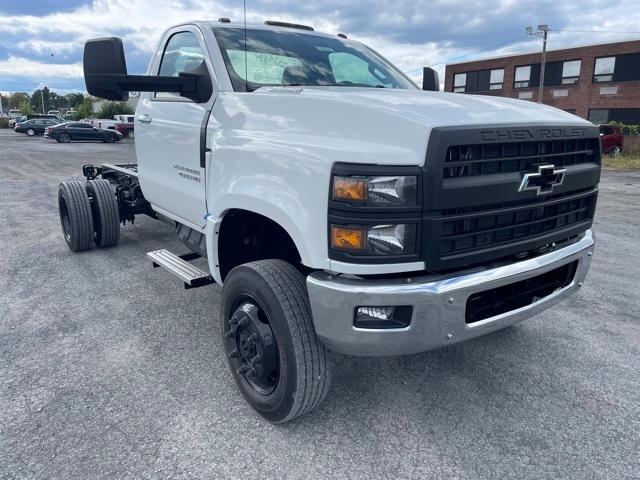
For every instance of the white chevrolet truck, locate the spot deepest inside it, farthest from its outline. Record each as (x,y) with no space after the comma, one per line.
(341,207)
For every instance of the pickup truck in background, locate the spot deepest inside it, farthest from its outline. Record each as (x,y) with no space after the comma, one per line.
(126,128)
(340,207)
(612,140)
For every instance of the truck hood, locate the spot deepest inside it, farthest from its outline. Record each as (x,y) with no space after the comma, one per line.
(438,108)
(363,125)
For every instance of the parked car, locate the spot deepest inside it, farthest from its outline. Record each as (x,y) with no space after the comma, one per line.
(35,126)
(124,118)
(103,123)
(54,112)
(66,132)
(611,138)
(14,120)
(126,129)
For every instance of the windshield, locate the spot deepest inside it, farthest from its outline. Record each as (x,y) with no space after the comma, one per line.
(293,58)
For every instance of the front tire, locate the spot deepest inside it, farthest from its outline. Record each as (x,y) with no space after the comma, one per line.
(64,138)
(30,132)
(106,216)
(109,138)
(281,368)
(75,215)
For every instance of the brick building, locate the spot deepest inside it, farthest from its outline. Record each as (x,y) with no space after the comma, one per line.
(598,82)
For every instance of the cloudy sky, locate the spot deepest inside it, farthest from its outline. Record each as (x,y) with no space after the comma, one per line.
(41,41)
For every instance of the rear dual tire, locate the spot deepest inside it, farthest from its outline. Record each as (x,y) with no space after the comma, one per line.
(88,214)
(106,216)
(268,300)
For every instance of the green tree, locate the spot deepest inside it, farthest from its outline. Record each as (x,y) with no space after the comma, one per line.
(26,108)
(16,99)
(40,95)
(75,99)
(83,110)
(110,109)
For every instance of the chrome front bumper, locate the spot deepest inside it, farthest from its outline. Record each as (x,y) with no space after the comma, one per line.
(438,301)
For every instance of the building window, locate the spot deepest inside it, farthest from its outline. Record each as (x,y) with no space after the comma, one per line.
(598,116)
(603,71)
(628,116)
(496,78)
(571,72)
(523,77)
(459,82)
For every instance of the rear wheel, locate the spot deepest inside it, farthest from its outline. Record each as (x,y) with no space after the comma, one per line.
(64,138)
(104,209)
(130,134)
(617,150)
(30,132)
(75,216)
(278,363)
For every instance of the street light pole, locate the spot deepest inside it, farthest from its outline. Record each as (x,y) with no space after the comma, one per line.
(545,31)
(42,97)
(542,32)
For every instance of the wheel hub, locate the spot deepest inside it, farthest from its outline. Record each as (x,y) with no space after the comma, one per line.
(252,347)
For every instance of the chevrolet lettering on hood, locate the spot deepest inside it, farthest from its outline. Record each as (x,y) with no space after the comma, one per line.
(524,134)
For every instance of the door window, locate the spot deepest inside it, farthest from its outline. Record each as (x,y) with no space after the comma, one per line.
(182,54)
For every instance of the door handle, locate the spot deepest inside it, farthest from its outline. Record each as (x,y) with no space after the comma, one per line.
(145,118)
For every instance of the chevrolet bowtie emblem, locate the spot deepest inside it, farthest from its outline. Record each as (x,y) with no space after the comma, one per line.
(543,180)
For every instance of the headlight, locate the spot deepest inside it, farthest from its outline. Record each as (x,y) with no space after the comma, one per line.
(381,191)
(399,239)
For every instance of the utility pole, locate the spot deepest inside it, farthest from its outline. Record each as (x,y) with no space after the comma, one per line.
(42,97)
(542,32)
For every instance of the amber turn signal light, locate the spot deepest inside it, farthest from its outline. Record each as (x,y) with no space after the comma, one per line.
(343,238)
(349,188)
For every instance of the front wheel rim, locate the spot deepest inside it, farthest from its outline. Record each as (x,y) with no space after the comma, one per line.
(253,351)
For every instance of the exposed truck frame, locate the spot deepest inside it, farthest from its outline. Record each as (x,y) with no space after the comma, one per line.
(337,216)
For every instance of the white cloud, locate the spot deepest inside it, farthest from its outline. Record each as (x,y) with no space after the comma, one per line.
(410,33)
(19,66)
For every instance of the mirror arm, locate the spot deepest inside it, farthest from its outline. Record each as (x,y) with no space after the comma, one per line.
(148,83)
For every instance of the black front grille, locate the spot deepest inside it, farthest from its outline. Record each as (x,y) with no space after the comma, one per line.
(489,159)
(497,301)
(466,233)
(474,210)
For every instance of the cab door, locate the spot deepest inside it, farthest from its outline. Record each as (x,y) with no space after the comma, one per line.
(168,134)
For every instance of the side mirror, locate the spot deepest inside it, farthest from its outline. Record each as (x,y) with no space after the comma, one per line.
(105,75)
(430,80)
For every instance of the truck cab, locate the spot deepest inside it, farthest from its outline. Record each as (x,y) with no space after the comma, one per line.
(341,207)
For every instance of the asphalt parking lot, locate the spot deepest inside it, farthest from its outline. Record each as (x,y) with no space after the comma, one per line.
(109,369)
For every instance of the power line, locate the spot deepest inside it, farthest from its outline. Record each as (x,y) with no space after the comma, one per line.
(475,52)
(592,31)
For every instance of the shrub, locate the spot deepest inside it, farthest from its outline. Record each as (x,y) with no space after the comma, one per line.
(111,109)
(4,122)
(627,129)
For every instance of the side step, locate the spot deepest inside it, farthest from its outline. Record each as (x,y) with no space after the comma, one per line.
(191,276)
